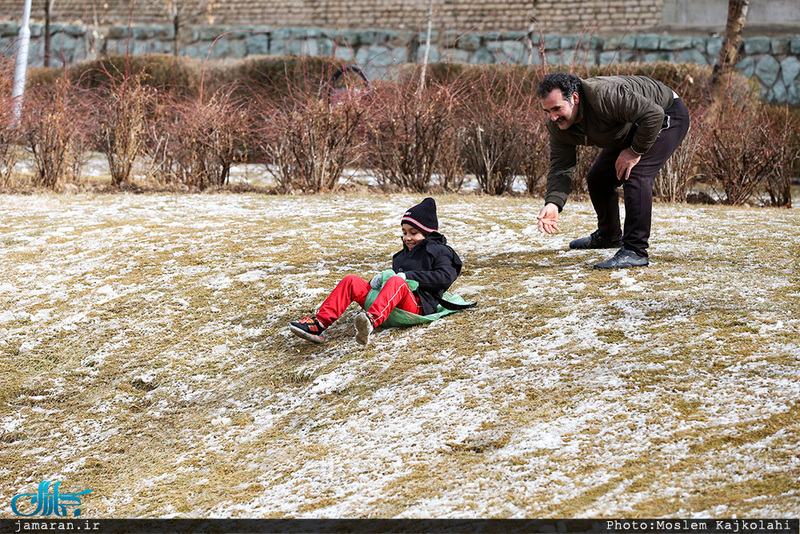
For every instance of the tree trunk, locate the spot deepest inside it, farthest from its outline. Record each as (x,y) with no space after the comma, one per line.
(176,39)
(533,26)
(47,6)
(737,14)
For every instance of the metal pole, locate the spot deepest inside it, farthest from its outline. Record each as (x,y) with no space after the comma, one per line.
(427,49)
(21,67)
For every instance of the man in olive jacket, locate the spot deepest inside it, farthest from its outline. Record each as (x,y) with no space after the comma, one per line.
(638,122)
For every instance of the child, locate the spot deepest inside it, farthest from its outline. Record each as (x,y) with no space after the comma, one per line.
(425,259)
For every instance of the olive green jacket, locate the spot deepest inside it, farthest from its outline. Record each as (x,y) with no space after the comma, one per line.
(614,111)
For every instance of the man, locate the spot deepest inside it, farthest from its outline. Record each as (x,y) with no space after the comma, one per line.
(638,122)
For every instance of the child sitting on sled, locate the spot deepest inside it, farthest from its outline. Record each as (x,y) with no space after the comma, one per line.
(412,292)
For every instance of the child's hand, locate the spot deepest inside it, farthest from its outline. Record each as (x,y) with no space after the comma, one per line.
(376,282)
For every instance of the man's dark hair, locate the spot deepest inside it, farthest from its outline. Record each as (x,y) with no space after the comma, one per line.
(567,83)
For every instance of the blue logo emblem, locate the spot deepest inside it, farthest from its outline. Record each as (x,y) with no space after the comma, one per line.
(50,503)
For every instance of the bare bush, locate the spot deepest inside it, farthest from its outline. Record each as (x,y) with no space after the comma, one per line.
(736,159)
(52,128)
(784,133)
(584,159)
(451,165)
(195,142)
(308,139)
(160,157)
(676,177)
(120,114)
(409,131)
(8,131)
(501,122)
(9,153)
(537,160)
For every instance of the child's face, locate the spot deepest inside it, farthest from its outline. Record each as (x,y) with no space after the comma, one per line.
(411,236)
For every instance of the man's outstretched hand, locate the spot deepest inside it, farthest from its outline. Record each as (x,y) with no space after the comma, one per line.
(548,219)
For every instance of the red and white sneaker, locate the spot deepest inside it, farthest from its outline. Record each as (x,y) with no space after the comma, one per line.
(308,328)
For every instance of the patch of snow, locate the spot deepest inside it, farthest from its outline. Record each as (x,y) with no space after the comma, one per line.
(334,382)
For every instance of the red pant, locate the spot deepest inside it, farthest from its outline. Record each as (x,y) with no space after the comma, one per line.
(395,293)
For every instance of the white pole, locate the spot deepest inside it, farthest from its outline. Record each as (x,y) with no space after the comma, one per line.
(427,49)
(21,68)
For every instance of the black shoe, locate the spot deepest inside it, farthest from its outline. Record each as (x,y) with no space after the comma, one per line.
(308,328)
(594,241)
(623,259)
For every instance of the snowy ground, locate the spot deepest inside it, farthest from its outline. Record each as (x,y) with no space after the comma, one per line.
(144,354)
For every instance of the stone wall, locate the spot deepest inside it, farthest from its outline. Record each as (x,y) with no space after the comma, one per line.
(562,16)
(773,61)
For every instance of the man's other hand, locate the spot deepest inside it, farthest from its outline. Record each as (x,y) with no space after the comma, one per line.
(626,161)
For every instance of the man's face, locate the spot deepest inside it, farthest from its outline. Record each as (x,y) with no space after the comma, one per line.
(563,112)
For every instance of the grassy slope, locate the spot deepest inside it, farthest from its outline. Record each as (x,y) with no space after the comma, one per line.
(144,354)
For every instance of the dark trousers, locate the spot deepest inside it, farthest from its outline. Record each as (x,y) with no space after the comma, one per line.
(638,188)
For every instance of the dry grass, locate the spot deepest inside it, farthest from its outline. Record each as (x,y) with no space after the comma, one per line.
(144,354)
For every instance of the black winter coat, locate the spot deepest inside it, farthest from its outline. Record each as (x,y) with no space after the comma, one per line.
(431,263)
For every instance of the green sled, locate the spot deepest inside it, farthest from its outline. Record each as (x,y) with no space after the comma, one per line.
(400,317)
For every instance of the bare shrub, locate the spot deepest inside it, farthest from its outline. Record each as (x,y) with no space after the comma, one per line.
(119,116)
(308,139)
(258,78)
(159,161)
(195,142)
(8,131)
(9,153)
(584,159)
(409,131)
(537,160)
(678,174)
(736,159)
(675,179)
(784,139)
(165,73)
(52,128)
(500,127)
(451,165)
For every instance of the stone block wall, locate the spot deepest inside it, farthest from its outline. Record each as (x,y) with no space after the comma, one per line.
(611,16)
(773,61)
(562,16)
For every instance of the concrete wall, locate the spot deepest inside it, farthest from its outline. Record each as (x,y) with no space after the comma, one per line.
(763,16)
